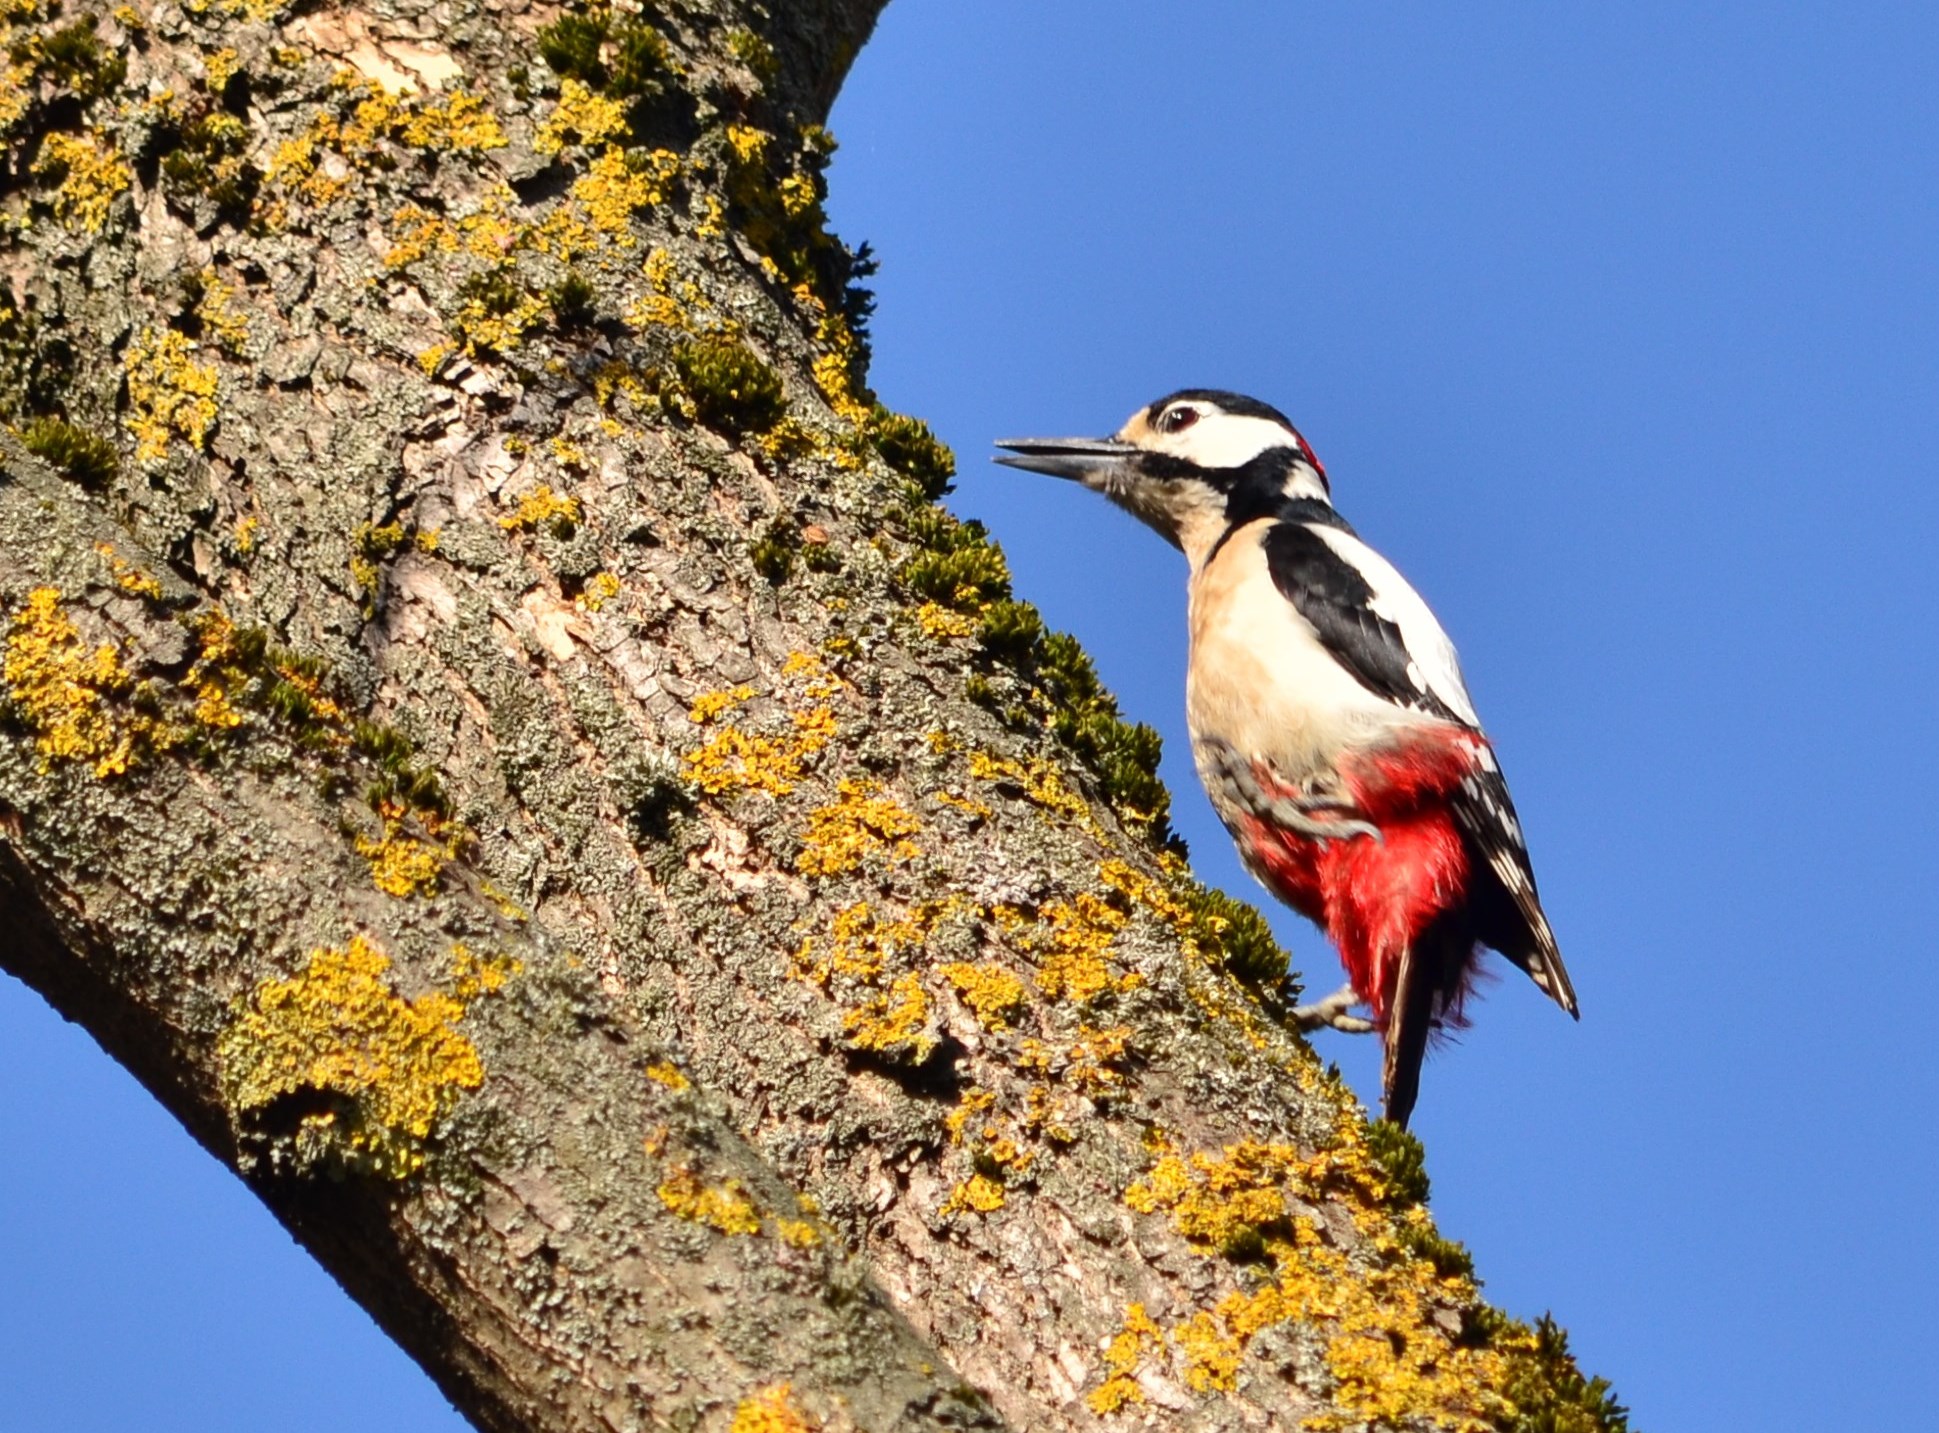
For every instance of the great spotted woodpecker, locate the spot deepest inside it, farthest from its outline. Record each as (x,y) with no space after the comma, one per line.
(1329,720)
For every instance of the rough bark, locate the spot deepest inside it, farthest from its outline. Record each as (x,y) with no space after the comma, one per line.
(501,743)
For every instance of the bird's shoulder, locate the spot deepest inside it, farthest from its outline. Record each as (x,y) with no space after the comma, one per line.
(1365,613)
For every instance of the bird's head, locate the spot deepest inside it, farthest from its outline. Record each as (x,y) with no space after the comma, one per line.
(1190,465)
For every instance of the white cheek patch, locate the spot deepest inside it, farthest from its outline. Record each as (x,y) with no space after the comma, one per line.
(1223,440)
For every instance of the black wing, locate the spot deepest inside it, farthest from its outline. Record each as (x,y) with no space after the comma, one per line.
(1514,923)
(1337,601)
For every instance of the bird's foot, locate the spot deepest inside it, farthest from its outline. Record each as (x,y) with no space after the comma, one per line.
(1333,1011)
(1292,810)
(1290,813)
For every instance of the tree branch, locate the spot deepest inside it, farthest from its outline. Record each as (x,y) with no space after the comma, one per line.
(502,742)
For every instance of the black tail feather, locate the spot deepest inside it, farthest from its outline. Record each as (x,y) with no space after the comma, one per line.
(1410,1018)
(1433,979)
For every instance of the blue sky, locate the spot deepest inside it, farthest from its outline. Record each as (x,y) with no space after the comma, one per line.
(1617,327)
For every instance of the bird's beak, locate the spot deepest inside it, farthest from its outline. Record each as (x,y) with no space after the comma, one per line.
(1085,460)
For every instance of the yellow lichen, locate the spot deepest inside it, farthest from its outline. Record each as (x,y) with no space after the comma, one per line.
(713,218)
(1072,946)
(732,760)
(411,854)
(402,865)
(797,1233)
(1121,1359)
(747,143)
(1041,782)
(542,507)
(817,681)
(860,943)
(1092,1061)
(476,975)
(1212,1354)
(127,576)
(709,705)
(858,823)
(171,394)
(496,319)
(581,117)
(979,1194)
(221,66)
(326,160)
(462,123)
(600,588)
(938,622)
(388,1069)
(770,1410)
(1391,1360)
(665,1072)
(224,324)
(617,185)
(971,808)
(992,993)
(75,699)
(893,1023)
(88,178)
(725,1208)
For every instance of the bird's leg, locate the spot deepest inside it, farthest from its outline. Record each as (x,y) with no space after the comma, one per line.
(1289,812)
(1333,1011)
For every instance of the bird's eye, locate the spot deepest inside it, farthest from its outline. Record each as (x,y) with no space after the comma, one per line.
(1176,420)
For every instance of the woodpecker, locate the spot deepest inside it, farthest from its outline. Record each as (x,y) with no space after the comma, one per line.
(1329,720)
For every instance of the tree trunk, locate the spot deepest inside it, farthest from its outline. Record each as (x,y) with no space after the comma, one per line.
(500,741)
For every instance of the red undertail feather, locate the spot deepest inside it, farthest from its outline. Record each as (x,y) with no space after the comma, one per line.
(1397,907)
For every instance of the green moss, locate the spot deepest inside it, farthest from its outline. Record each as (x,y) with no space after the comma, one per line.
(1450,1259)
(755,53)
(1240,937)
(773,555)
(74,59)
(208,161)
(400,781)
(1402,1160)
(76,453)
(731,388)
(1124,755)
(908,446)
(965,578)
(1547,1389)
(958,567)
(1010,631)
(623,57)
(573,301)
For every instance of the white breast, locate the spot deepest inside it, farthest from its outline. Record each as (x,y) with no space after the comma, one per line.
(1259,679)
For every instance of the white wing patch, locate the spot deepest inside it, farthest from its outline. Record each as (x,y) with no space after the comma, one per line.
(1432,664)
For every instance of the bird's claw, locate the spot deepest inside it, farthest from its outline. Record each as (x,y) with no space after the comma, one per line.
(1291,812)
(1332,1011)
